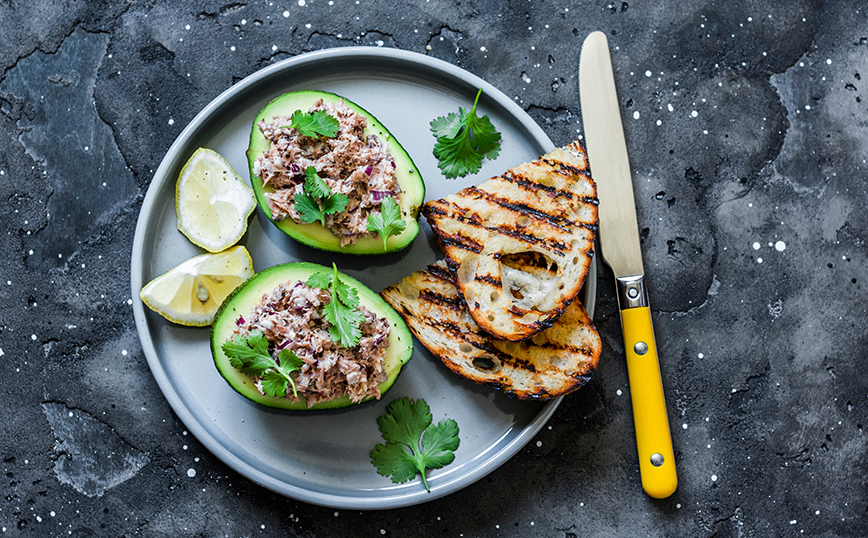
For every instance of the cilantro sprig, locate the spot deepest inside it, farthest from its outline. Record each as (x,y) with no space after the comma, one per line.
(249,354)
(316,200)
(411,445)
(388,222)
(315,124)
(342,311)
(463,140)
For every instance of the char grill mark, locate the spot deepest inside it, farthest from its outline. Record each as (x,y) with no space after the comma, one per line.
(533,186)
(564,168)
(455,302)
(480,342)
(557,221)
(488,279)
(459,241)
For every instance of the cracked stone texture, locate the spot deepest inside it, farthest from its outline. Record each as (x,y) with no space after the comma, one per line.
(747,133)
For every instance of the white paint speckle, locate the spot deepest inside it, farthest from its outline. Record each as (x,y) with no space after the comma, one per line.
(756,245)
(684,426)
(538,444)
(694,114)
(286,13)
(828,61)
(191,472)
(647,73)
(701,356)
(780,246)
(759,260)
(714,478)
(171,121)
(33,337)
(301,2)
(1,352)
(618,392)
(636,115)
(124,352)
(483,49)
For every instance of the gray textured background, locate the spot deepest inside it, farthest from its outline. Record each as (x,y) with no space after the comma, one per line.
(747,134)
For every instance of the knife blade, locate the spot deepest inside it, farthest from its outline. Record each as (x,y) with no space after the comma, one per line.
(619,243)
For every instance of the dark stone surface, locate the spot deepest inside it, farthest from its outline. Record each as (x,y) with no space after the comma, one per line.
(747,131)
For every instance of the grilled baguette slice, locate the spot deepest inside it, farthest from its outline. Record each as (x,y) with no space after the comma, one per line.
(520,244)
(555,362)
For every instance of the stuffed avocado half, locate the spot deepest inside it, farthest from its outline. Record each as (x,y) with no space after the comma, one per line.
(279,156)
(279,303)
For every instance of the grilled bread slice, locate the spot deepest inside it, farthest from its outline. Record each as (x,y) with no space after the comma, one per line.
(519,245)
(554,362)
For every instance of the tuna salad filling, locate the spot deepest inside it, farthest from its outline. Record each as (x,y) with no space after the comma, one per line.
(290,317)
(356,165)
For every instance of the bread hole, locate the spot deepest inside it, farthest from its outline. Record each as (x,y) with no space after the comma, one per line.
(486,362)
(465,347)
(576,260)
(523,221)
(557,361)
(494,296)
(539,339)
(491,317)
(547,181)
(531,262)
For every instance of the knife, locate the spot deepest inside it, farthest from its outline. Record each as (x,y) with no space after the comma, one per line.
(619,242)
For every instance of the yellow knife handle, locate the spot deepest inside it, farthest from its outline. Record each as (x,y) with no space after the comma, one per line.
(653,440)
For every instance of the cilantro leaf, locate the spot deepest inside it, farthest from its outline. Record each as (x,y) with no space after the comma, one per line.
(388,222)
(314,185)
(411,445)
(249,354)
(316,200)
(463,140)
(342,311)
(315,124)
(308,208)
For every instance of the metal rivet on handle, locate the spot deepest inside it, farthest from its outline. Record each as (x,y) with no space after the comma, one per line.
(656,460)
(640,348)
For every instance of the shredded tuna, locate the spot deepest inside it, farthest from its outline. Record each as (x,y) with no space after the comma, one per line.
(290,317)
(358,166)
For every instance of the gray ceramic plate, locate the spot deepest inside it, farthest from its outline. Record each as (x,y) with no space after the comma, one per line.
(323,457)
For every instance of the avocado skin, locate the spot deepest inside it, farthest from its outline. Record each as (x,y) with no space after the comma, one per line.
(314,234)
(246,296)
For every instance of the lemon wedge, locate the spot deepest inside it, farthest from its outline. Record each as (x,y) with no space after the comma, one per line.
(191,293)
(212,202)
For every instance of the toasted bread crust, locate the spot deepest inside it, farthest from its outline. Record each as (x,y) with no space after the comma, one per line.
(495,234)
(555,362)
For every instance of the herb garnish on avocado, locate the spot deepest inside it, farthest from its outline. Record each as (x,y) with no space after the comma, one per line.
(250,355)
(342,311)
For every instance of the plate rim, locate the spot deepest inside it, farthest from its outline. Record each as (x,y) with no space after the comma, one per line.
(172,395)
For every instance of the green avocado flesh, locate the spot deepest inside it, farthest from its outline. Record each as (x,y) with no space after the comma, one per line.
(314,234)
(245,298)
